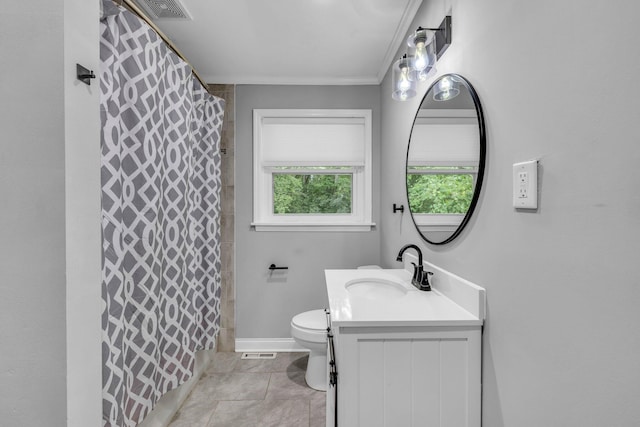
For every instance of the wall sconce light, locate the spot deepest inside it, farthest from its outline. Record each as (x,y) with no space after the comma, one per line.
(422,52)
(426,46)
(404,79)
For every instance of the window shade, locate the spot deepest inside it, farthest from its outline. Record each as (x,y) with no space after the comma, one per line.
(444,144)
(313,141)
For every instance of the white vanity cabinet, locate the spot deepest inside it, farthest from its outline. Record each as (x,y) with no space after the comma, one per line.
(410,361)
(407,376)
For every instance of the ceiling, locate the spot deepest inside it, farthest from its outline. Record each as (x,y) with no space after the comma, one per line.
(328,42)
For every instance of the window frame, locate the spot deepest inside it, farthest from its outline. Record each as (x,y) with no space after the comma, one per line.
(360,218)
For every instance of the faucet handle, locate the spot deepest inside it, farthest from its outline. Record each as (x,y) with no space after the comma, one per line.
(424,280)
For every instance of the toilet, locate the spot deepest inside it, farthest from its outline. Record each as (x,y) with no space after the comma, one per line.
(309,329)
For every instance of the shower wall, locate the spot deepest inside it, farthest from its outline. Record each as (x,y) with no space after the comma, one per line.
(226,339)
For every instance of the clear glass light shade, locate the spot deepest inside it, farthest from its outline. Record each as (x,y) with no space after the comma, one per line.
(404,80)
(426,74)
(424,66)
(447,88)
(421,44)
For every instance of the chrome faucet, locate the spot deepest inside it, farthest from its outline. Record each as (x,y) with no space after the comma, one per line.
(420,277)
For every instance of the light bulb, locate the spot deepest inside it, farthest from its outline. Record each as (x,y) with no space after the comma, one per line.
(446,89)
(403,78)
(421,43)
(420,60)
(445,84)
(404,84)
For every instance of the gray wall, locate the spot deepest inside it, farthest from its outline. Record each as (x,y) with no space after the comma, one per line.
(265,304)
(32,215)
(561,341)
(50,332)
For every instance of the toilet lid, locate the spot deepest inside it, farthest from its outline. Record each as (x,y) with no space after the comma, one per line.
(314,319)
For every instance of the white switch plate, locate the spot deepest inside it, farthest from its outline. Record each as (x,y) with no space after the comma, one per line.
(525,185)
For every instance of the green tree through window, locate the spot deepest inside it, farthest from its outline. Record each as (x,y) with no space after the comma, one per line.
(311,193)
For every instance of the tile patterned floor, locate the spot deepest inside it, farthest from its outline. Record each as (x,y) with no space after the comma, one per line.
(253,393)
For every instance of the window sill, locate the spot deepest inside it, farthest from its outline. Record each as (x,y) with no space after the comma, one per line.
(437,228)
(360,227)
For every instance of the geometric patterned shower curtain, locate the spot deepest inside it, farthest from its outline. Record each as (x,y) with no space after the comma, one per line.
(160,217)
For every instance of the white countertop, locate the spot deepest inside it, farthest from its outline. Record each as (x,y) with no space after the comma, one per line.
(414,308)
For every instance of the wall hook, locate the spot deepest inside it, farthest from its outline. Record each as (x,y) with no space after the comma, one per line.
(396,208)
(84,74)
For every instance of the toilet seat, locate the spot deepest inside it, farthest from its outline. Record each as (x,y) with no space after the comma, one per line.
(310,326)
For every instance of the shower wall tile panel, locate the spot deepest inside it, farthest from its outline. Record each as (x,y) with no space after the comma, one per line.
(226,339)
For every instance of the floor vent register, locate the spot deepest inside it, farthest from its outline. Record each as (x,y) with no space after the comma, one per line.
(258,356)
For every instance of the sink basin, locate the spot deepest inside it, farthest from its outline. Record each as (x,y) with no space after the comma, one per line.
(375,287)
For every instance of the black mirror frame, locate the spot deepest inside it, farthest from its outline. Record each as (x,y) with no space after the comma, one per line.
(481,162)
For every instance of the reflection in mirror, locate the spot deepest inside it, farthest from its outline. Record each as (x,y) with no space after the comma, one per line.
(445,159)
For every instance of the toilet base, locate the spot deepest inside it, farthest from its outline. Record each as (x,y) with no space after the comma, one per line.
(316,375)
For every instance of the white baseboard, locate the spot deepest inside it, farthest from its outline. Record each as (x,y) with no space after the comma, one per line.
(267,344)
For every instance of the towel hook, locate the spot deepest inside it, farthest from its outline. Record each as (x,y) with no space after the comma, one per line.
(84,74)
(396,208)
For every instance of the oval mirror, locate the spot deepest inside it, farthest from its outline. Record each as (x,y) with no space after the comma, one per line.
(445,159)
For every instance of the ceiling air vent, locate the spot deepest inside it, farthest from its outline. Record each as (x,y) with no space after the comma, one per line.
(165,9)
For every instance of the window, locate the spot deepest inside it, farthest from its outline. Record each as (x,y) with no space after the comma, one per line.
(312,170)
(442,168)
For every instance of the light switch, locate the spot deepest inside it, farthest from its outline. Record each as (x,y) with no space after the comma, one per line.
(525,185)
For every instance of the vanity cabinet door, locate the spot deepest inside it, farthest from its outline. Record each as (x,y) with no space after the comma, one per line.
(409,377)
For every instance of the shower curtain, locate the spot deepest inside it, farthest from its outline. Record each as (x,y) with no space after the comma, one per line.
(160,217)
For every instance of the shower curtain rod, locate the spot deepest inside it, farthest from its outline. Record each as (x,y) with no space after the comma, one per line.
(129,4)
